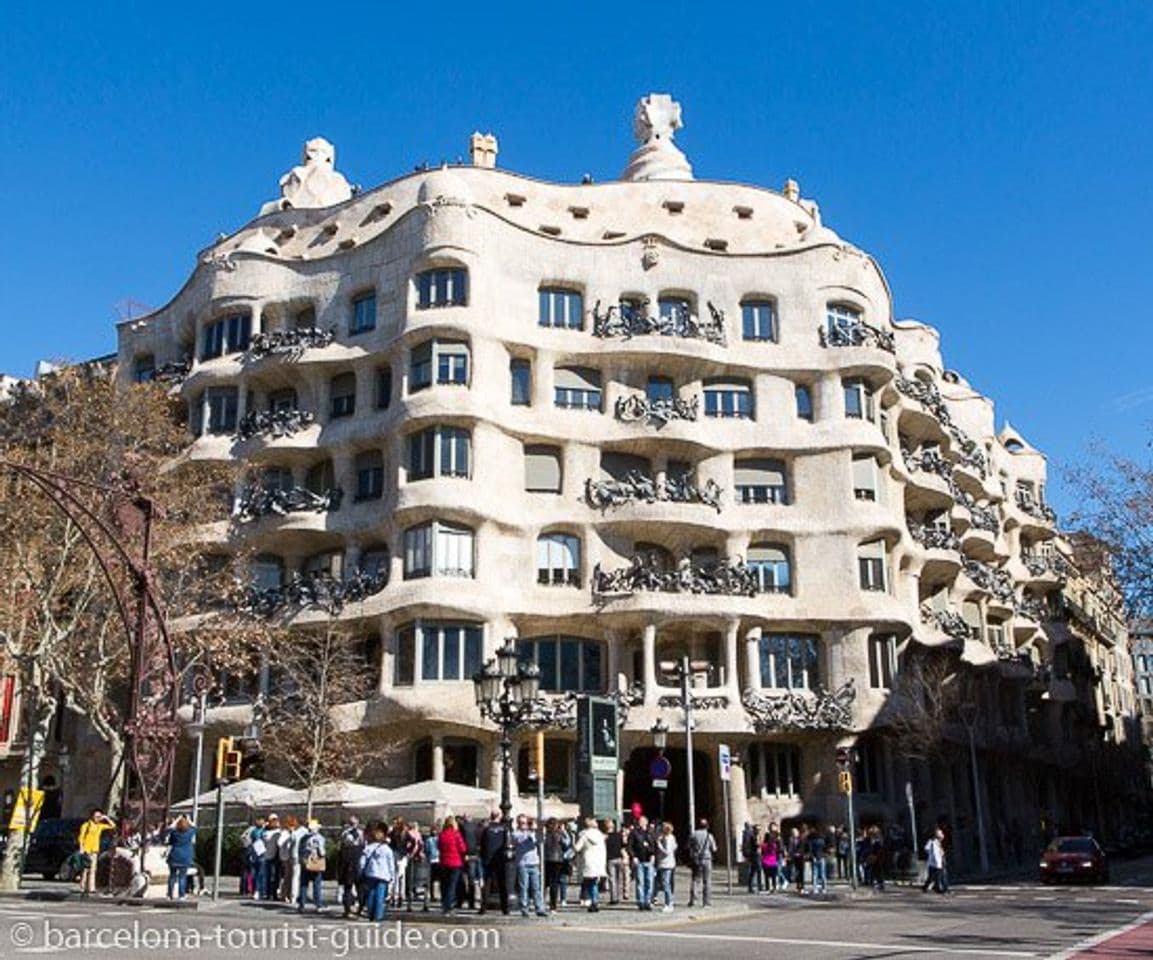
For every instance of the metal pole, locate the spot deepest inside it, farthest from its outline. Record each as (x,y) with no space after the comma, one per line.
(915,840)
(852,838)
(728,845)
(687,703)
(219,841)
(981,846)
(199,760)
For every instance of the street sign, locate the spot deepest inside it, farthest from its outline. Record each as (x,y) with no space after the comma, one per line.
(660,768)
(26,815)
(726,759)
(659,784)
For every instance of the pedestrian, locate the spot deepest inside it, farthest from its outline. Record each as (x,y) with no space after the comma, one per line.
(272,871)
(795,850)
(495,855)
(615,863)
(558,850)
(751,852)
(935,860)
(414,853)
(311,863)
(294,831)
(432,859)
(398,837)
(181,842)
(252,842)
(451,849)
(527,868)
(590,844)
(642,849)
(771,860)
(876,857)
(842,848)
(348,871)
(377,870)
(815,852)
(473,868)
(89,840)
(702,847)
(666,865)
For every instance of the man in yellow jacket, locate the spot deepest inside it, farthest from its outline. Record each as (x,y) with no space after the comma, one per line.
(91,831)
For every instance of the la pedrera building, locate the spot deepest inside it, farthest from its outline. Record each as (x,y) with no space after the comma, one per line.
(626,423)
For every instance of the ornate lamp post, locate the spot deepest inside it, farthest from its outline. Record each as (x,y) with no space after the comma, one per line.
(507,693)
(660,732)
(682,670)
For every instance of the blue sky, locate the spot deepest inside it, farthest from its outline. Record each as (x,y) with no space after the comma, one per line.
(996,158)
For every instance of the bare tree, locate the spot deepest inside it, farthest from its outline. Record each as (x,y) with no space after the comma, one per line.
(924,707)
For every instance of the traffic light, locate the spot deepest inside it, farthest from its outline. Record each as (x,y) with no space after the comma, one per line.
(536,757)
(228,760)
(845,782)
(251,758)
(844,758)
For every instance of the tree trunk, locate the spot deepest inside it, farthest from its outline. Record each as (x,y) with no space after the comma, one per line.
(42,711)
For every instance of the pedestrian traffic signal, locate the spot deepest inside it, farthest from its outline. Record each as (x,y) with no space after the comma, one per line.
(845,781)
(228,760)
(536,757)
(844,758)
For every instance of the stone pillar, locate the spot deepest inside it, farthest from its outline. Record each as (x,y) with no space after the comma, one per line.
(649,646)
(612,660)
(753,659)
(732,683)
(738,809)
(438,758)
(543,381)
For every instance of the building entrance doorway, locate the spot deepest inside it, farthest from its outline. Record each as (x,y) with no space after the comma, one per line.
(638,788)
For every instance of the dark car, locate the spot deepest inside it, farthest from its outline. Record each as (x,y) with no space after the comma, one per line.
(52,844)
(1074,858)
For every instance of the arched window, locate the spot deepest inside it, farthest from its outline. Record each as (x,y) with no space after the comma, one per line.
(229,334)
(558,559)
(771,563)
(439,452)
(844,322)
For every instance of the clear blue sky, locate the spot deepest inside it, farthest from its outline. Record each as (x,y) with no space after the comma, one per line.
(995,157)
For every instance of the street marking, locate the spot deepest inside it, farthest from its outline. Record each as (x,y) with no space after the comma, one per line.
(1086,945)
(1044,899)
(1127,901)
(797,942)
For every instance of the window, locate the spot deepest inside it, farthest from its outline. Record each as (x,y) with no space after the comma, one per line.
(860,400)
(383,387)
(342,396)
(305,319)
(558,560)
(438,549)
(374,561)
(865,477)
(760,481)
(439,452)
(520,373)
(226,335)
(542,469)
(446,650)
(369,475)
(996,633)
(221,410)
(448,357)
(363,313)
(442,288)
(971,614)
(775,769)
(561,308)
(617,466)
(758,320)
(868,768)
(276,478)
(659,389)
(420,367)
(678,310)
(728,398)
(281,401)
(804,402)
(843,322)
(320,478)
(327,563)
(871,566)
(788,661)
(144,368)
(267,572)
(770,562)
(566,663)
(577,388)
(882,660)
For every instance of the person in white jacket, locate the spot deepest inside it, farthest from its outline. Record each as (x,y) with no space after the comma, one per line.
(666,864)
(935,861)
(590,844)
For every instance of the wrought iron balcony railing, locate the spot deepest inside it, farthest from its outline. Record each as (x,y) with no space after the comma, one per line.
(257,502)
(1032,506)
(628,320)
(319,591)
(994,581)
(856,334)
(984,518)
(818,709)
(289,342)
(1034,609)
(174,372)
(928,461)
(645,574)
(273,424)
(641,409)
(929,397)
(949,622)
(1038,564)
(635,486)
(932,537)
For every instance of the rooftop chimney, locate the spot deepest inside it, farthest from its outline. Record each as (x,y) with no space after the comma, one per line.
(482,150)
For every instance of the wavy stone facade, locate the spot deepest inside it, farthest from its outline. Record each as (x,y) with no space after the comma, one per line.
(628,421)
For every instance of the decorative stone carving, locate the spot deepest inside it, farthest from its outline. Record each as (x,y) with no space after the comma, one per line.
(707,702)
(273,424)
(628,320)
(313,184)
(818,709)
(727,577)
(651,252)
(319,591)
(640,409)
(259,501)
(291,342)
(656,118)
(856,334)
(602,494)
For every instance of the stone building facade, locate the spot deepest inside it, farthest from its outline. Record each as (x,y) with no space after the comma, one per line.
(623,423)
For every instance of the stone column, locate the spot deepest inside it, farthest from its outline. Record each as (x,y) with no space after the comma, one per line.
(649,646)
(543,380)
(612,660)
(753,659)
(738,808)
(732,682)
(438,758)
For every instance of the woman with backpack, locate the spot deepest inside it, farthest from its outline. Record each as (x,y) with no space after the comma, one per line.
(377,872)
(590,844)
(311,862)
(181,840)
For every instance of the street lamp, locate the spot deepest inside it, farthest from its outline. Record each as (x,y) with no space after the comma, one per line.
(660,732)
(682,670)
(968,713)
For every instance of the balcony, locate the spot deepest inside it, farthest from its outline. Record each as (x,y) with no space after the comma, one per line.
(856,334)
(994,581)
(949,622)
(932,537)
(628,320)
(635,487)
(172,373)
(969,453)
(287,343)
(1029,504)
(315,591)
(1046,566)
(658,412)
(257,502)
(817,709)
(928,460)
(645,575)
(273,424)
(984,518)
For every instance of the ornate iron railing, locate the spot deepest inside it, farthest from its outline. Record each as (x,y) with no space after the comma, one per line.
(818,709)
(928,461)
(705,702)
(641,409)
(629,320)
(173,372)
(319,591)
(602,494)
(273,424)
(856,334)
(645,574)
(933,538)
(1034,609)
(991,579)
(293,341)
(984,518)
(1038,564)
(949,622)
(1032,506)
(257,502)
(929,397)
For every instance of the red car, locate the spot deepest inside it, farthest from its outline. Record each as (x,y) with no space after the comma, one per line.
(1074,858)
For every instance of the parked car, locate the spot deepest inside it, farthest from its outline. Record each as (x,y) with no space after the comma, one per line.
(52,844)
(1074,858)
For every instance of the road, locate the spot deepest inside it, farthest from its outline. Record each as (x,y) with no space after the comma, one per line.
(994,921)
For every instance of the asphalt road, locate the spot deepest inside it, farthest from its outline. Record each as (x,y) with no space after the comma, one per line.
(995,921)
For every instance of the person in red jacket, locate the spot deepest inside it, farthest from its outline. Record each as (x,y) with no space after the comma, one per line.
(452,849)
